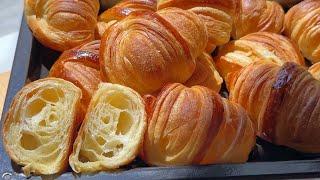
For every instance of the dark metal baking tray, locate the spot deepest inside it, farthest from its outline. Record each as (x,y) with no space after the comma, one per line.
(32,62)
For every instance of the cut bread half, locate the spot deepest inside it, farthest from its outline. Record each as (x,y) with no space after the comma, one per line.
(112,132)
(38,131)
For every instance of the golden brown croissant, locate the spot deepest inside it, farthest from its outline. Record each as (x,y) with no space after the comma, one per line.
(260,46)
(195,126)
(121,11)
(81,67)
(62,24)
(282,101)
(301,25)
(39,129)
(147,50)
(112,132)
(216,14)
(236,17)
(257,15)
(205,74)
(315,70)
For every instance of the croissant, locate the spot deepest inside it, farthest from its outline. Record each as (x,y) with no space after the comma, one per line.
(315,70)
(62,24)
(235,18)
(205,74)
(80,66)
(257,16)
(283,103)
(301,25)
(260,46)
(195,126)
(121,11)
(40,124)
(147,50)
(217,15)
(112,132)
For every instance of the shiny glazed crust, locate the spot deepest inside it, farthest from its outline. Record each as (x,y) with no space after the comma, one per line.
(235,18)
(62,24)
(260,46)
(121,11)
(205,74)
(257,16)
(315,70)
(301,25)
(112,132)
(147,50)
(217,16)
(80,66)
(195,126)
(283,102)
(39,129)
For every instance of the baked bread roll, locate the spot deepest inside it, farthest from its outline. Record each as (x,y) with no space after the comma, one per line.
(315,70)
(282,101)
(80,66)
(40,125)
(147,50)
(260,46)
(205,74)
(62,24)
(232,17)
(257,16)
(301,25)
(217,15)
(195,126)
(112,132)
(121,11)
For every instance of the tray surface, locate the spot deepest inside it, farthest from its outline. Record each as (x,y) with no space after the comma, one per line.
(32,62)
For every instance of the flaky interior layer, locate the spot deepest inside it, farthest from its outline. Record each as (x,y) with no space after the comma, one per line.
(112,131)
(37,131)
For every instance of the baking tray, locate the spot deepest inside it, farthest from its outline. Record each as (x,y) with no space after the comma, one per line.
(32,61)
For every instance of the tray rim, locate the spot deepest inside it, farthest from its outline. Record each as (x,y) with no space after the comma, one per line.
(278,169)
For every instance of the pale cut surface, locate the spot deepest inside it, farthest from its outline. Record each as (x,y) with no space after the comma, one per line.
(112,131)
(39,127)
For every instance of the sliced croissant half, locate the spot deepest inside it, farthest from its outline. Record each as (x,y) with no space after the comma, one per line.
(112,132)
(40,125)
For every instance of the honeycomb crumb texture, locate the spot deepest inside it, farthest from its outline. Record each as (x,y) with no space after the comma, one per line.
(106,136)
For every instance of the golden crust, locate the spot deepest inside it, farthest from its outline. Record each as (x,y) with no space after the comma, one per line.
(80,66)
(205,74)
(257,16)
(217,16)
(112,132)
(121,11)
(64,24)
(260,46)
(301,25)
(283,102)
(235,18)
(195,126)
(39,129)
(147,50)
(315,70)
(125,8)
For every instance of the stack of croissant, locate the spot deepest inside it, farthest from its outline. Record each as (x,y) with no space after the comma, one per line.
(139,80)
